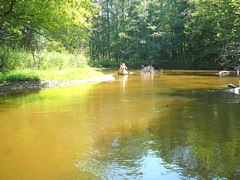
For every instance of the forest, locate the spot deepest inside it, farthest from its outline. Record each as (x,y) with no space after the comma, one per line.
(71,33)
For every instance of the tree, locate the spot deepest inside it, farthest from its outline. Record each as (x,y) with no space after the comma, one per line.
(136,29)
(229,57)
(159,30)
(213,25)
(61,20)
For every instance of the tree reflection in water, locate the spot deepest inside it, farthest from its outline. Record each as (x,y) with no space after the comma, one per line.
(189,143)
(171,125)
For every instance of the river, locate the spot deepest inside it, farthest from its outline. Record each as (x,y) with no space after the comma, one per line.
(169,125)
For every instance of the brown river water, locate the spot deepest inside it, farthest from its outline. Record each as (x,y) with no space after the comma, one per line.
(170,125)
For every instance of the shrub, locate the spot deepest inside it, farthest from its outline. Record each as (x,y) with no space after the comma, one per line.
(56,60)
(14,59)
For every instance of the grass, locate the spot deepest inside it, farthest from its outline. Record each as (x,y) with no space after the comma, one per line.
(18,65)
(67,74)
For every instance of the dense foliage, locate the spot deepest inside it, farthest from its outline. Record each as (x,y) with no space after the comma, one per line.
(33,33)
(27,24)
(160,30)
(150,31)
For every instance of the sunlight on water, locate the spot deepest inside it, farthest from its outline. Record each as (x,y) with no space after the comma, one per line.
(175,125)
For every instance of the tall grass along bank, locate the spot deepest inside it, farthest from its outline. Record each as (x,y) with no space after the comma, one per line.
(19,70)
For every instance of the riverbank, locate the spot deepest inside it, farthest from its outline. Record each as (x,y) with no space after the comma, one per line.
(32,85)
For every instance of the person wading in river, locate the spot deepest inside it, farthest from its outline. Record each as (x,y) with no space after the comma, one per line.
(122,68)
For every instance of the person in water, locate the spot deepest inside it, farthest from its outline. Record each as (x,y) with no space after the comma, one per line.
(122,67)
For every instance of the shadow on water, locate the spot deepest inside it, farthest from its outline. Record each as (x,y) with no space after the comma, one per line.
(195,140)
(202,138)
(198,138)
(160,126)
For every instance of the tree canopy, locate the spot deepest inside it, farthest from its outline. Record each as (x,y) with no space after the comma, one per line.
(61,20)
(149,30)
(165,30)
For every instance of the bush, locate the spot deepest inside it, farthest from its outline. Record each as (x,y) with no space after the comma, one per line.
(14,59)
(19,75)
(56,60)
(18,65)
(55,46)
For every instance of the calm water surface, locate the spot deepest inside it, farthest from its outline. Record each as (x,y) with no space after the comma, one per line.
(171,125)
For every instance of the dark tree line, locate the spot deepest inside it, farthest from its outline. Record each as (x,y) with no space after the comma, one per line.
(156,30)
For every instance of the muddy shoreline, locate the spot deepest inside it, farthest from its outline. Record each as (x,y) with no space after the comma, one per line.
(33,85)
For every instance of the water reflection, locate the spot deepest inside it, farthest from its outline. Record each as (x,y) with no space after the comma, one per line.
(123,81)
(131,159)
(161,126)
(203,137)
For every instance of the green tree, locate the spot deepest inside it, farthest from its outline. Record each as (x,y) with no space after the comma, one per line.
(61,20)
(212,25)
(139,30)
(159,30)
